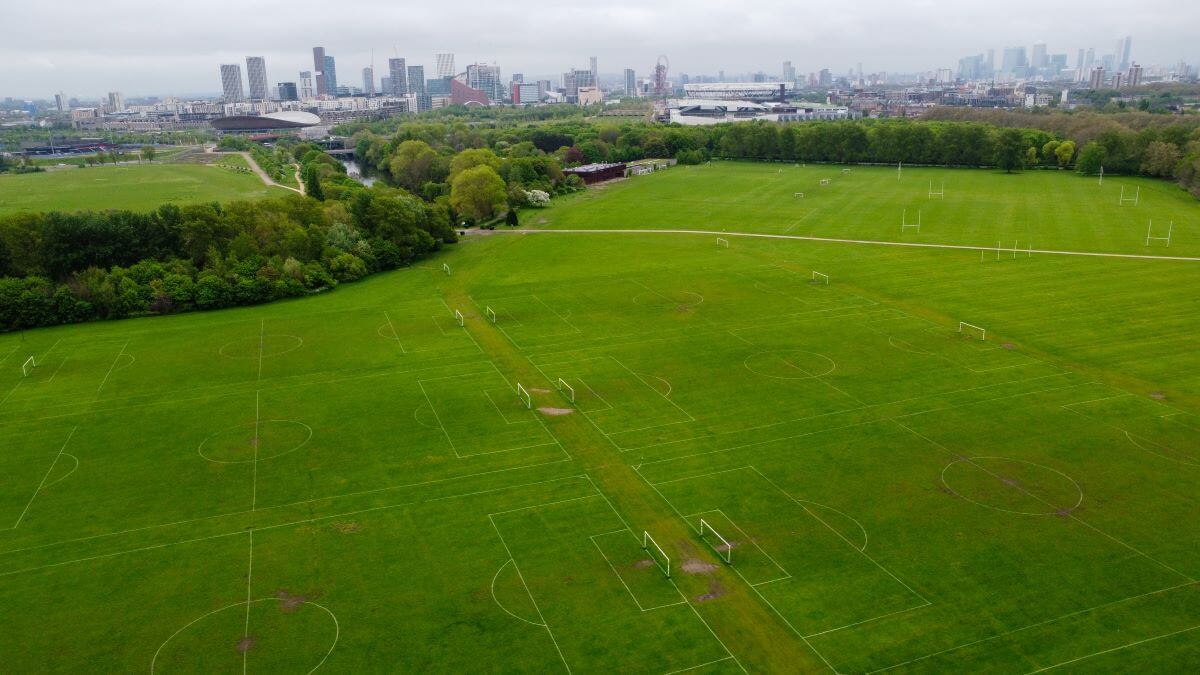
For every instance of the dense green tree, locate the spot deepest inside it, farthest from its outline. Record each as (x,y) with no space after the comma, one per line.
(148,153)
(478,193)
(1010,150)
(1091,159)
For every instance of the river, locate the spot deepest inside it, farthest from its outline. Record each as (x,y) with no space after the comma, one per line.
(353,170)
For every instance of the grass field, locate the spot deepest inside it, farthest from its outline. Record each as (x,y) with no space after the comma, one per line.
(352,482)
(1042,209)
(127,186)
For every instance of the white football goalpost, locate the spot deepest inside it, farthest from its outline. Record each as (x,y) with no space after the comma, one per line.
(824,181)
(28,366)
(963,326)
(524,396)
(459,318)
(904,224)
(1137,195)
(665,565)
(490,314)
(446,269)
(1167,239)
(845,170)
(722,242)
(562,385)
(816,274)
(727,554)
(940,194)
(798,195)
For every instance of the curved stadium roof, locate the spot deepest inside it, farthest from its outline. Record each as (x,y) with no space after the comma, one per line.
(286,119)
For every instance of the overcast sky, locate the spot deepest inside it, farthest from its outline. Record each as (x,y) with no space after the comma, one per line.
(139,47)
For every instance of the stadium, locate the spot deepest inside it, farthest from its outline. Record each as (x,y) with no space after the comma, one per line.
(286,119)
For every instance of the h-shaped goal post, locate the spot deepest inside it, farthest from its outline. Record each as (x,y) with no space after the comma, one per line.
(964,327)
(28,366)
(665,565)
(727,553)
(524,396)
(1150,228)
(940,194)
(904,224)
(562,385)
(1137,196)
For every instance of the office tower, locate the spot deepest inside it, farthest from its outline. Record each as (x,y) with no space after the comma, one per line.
(789,72)
(595,72)
(368,75)
(1122,53)
(825,78)
(306,86)
(1014,62)
(575,79)
(1134,78)
(399,77)
(416,80)
(519,78)
(1109,61)
(630,82)
(231,82)
(116,101)
(385,86)
(286,91)
(330,76)
(991,63)
(60,102)
(445,65)
(256,75)
(1097,79)
(319,70)
(486,78)
(1039,56)
(1079,66)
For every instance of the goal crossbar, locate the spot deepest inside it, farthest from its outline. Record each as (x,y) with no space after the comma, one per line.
(28,366)
(822,275)
(562,385)
(727,554)
(904,224)
(524,396)
(665,565)
(962,325)
(491,314)
(722,242)
(940,194)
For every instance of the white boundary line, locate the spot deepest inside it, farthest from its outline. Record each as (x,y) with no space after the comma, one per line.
(43,483)
(866,242)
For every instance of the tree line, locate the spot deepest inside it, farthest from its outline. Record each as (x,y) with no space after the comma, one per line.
(69,267)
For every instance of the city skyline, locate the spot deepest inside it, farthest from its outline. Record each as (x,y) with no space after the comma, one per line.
(177,57)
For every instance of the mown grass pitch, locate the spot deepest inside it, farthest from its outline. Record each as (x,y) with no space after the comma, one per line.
(350,481)
(1042,209)
(137,187)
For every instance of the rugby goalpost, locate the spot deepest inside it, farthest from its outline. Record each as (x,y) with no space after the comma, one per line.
(722,242)
(1137,195)
(904,224)
(491,314)
(665,565)
(940,194)
(727,554)
(562,385)
(1150,228)
(972,329)
(524,396)
(822,275)
(28,366)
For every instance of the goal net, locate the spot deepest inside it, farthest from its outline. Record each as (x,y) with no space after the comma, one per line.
(524,396)
(491,314)
(819,277)
(719,544)
(459,318)
(722,242)
(972,330)
(567,389)
(28,366)
(662,560)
